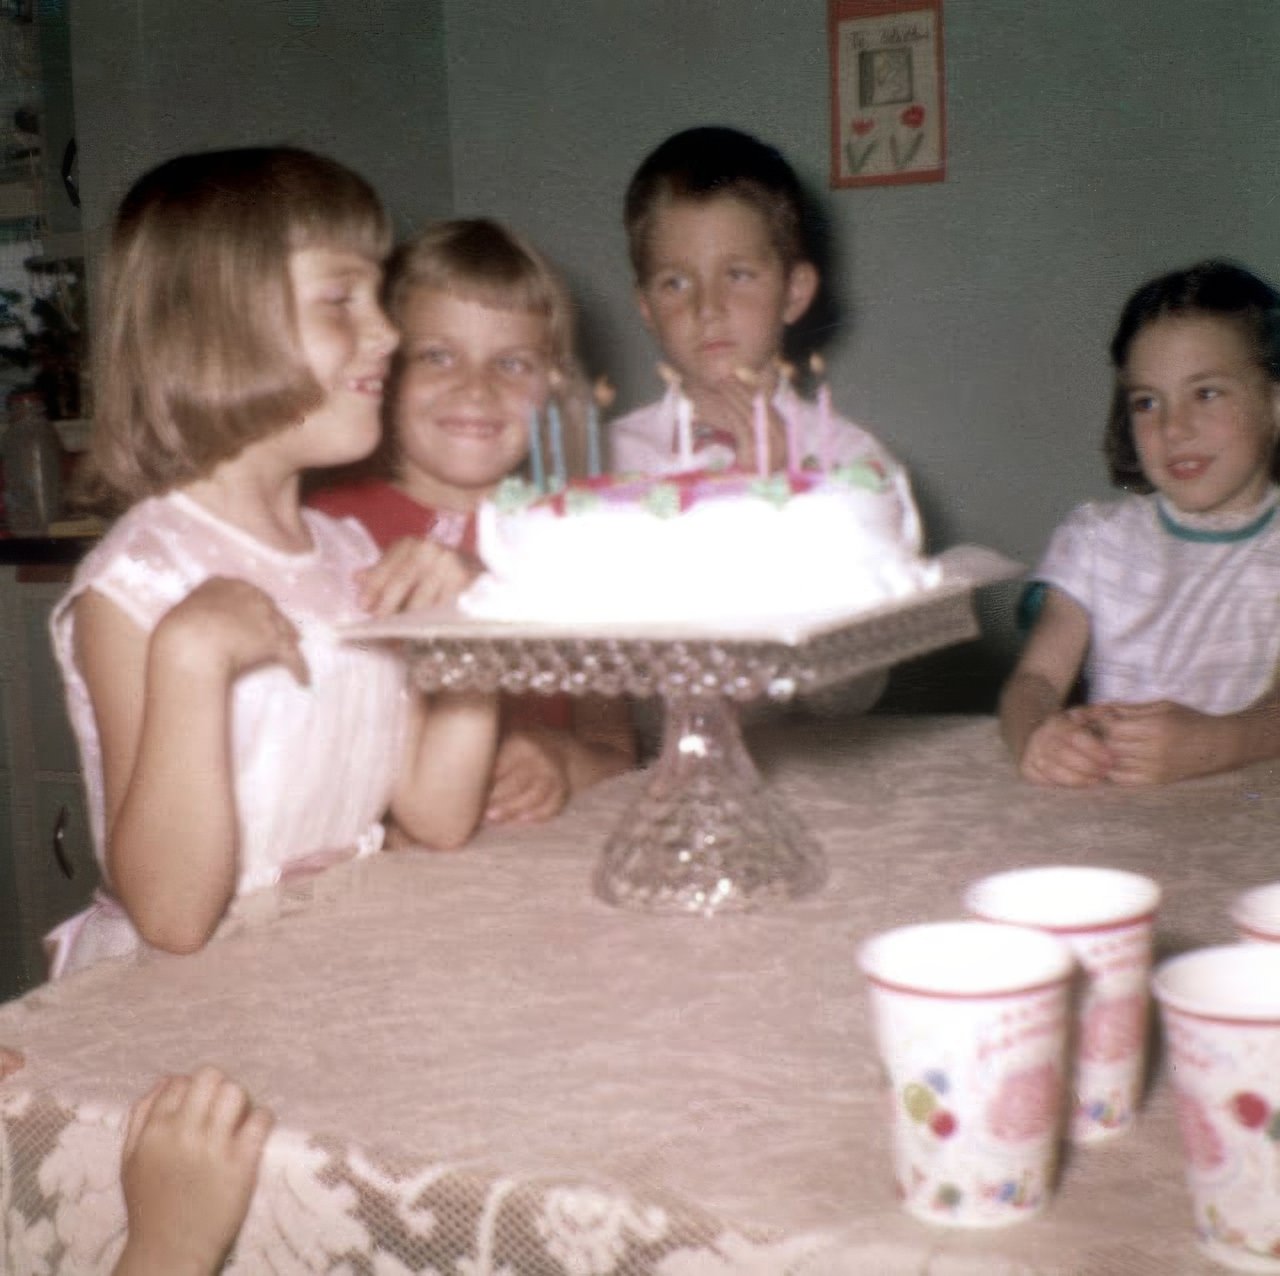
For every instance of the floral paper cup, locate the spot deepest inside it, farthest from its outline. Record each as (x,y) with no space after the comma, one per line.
(1256,914)
(1221,1013)
(1106,916)
(970,1021)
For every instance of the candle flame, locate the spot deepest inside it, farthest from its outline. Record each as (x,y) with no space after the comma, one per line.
(817,365)
(603,392)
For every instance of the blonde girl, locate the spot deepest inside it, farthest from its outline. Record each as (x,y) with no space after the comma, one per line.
(486,332)
(227,735)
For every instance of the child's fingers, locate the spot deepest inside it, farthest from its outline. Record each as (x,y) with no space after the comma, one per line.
(385,585)
(509,783)
(229,1107)
(164,1097)
(10,1061)
(203,1090)
(536,794)
(139,1114)
(251,1137)
(415,572)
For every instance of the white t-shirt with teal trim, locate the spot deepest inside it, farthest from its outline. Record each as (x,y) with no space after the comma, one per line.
(1180,607)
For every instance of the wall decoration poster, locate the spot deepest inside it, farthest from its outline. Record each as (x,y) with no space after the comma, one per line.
(888,120)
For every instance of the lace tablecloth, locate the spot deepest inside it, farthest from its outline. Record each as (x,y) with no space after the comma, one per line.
(477,1067)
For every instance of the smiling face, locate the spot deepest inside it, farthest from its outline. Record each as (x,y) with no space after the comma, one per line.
(1204,414)
(471,377)
(718,296)
(347,342)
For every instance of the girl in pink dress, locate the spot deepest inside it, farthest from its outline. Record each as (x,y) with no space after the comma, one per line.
(227,733)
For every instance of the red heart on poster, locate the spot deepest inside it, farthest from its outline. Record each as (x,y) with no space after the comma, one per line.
(862,127)
(913,116)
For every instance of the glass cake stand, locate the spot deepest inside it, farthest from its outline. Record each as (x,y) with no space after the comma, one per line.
(705,835)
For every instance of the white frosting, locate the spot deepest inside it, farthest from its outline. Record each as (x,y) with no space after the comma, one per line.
(838,548)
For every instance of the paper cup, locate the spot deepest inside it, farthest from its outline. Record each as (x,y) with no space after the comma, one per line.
(1106,916)
(1221,1013)
(1256,914)
(970,1021)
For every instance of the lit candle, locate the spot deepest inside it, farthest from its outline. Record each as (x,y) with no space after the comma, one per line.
(761,421)
(593,440)
(826,440)
(535,450)
(684,430)
(827,446)
(557,445)
(794,458)
(602,395)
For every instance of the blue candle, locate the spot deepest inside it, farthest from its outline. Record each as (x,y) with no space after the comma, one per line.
(593,440)
(535,450)
(557,445)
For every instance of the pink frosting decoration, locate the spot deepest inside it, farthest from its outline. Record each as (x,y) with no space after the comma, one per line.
(1112,1030)
(1202,1143)
(1027,1104)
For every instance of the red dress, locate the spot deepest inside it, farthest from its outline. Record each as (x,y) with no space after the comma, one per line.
(390,514)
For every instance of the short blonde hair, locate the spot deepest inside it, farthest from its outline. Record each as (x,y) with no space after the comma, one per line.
(489,263)
(486,262)
(198,353)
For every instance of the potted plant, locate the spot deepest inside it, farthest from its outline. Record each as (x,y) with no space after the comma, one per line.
(43,337)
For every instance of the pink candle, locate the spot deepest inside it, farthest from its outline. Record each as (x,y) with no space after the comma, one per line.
(684,431)
(761,419)
(824,427)
(826,440)
(794,458)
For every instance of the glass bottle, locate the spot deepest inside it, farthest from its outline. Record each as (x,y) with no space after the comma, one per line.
(32,466)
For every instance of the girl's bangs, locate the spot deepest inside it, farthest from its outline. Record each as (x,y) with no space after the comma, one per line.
(353,226)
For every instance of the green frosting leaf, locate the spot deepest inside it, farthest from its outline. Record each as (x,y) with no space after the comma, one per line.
(514,494)
(579,501)
(776,489)
(663,500)
(861,474)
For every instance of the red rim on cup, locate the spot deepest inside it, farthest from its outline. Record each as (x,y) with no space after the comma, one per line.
(1232,984)
(1256,913)
(1065,898)
(965,959)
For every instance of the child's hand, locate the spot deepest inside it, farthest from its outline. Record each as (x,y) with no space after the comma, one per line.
(190,1163)
(235,621)
(530,780)
(1158,742)
(10,1062)
(416,572)
(1069,749)
(729,406)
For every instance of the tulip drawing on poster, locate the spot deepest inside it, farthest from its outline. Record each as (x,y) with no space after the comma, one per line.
(886,91)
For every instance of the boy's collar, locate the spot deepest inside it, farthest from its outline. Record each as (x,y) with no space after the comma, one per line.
(784,393)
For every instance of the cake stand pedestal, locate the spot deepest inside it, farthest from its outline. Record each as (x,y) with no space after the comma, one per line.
(705,835)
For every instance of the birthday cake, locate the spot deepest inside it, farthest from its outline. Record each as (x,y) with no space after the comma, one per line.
(703,546)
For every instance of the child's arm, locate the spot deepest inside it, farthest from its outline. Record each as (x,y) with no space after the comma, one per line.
(416,572)
(538,769)
(190,1163)
(439,796)
(1052,745)
(162,707)
(1159,742)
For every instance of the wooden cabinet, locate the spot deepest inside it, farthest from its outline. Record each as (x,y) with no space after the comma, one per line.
(47,868)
